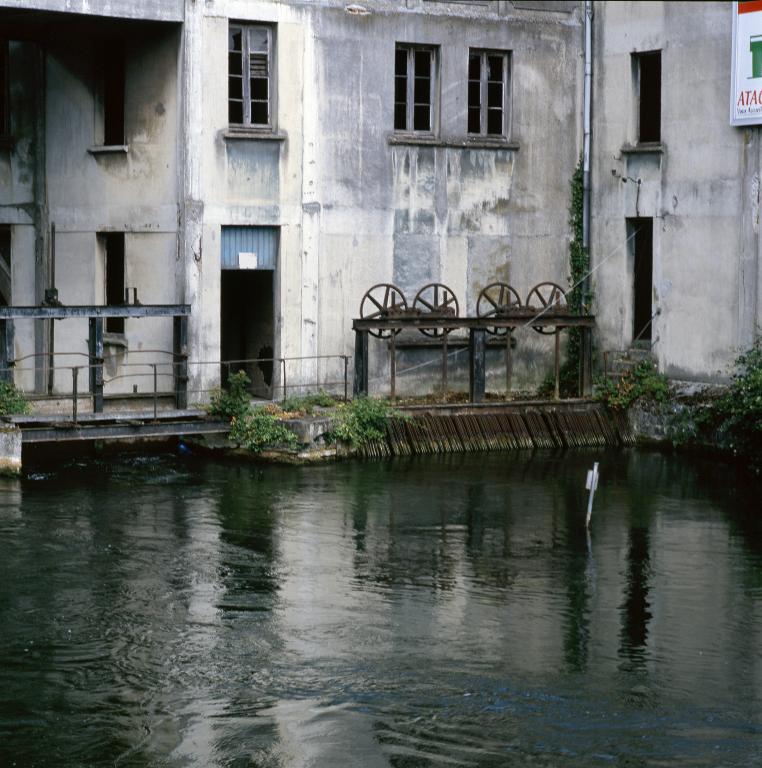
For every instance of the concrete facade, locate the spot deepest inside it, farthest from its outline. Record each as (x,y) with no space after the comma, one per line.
(700,186)
(355,202)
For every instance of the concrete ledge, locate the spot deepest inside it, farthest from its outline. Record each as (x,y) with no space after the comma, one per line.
(10,450)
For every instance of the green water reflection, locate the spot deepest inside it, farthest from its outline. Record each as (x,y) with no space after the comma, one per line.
(430,611)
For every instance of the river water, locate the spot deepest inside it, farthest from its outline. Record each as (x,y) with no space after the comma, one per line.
(433,611)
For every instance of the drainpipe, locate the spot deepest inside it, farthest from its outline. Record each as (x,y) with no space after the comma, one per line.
(586,127)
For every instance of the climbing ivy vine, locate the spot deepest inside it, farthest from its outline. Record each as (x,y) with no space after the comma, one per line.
(579,264)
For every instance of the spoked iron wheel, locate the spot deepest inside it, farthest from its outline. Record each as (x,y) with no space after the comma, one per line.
(497,300)
(546,297)
(380,302)
(437,300)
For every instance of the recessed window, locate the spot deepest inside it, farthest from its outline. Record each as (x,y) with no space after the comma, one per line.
(112,70)
(488,88)
(250,75)
(5,112)
(114,250)
(648,72)
(415,88)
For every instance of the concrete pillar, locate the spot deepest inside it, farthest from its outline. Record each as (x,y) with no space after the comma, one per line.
(10,450)
(311,212)
(190,146)
(751,244)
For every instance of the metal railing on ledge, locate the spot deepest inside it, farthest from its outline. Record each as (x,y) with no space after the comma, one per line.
(178,372)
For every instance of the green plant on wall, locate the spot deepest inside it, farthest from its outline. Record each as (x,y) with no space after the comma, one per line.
(736,417)
(579,303)
(12,400)
(642,382)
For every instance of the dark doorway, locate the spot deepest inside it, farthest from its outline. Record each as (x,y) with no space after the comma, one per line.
(248,325)
(641,232)
(114,242)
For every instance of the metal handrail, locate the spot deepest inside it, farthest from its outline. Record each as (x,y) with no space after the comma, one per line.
(153,370)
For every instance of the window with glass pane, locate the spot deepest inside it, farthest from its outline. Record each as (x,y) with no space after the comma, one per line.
(414,89)
(488,85)
(250,80)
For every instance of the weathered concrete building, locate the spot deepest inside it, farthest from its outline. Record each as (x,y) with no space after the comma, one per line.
(675,209)
(266,162)
(265,170)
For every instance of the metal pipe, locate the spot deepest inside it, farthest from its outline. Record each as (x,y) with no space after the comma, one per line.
(346,372)
(393,367)
(283,363)
(586,139)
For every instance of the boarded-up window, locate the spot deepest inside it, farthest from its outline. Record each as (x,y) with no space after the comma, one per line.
(488,92)
(249,247)
(415,89)
(250,75)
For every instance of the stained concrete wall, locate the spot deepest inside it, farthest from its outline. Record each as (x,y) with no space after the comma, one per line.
(50,174)
(355,205)
(702,188)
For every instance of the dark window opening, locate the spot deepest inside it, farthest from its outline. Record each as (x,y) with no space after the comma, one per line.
(649,96)
(250,75)
(114,242)
(488,79)
(414,89)
(5,266)
(113,94)
(641,233)
(5,112)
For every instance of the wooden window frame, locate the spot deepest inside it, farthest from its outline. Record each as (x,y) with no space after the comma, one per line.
(411,50)
(484,54)
(245,75)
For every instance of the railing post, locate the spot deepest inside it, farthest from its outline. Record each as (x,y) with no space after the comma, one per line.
(180,360)
(346,369)
(476,367)
(360,387)
(95,344)
(6,350)
(155,391)
(75,395)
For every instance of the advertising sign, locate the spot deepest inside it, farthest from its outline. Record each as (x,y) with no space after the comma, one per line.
(746,77)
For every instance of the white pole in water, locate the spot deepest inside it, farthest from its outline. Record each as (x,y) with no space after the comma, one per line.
(591,484)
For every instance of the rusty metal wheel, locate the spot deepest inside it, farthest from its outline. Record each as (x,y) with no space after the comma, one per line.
(551,298)
(497,300)
(380,302)
(436,300)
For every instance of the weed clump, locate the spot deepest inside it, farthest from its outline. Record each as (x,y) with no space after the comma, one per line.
(12,400)
(642,382)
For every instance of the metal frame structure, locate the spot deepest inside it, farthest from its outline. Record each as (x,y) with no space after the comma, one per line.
(95,315)
(478,327)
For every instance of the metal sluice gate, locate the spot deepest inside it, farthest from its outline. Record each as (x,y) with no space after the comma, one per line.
(535,426)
